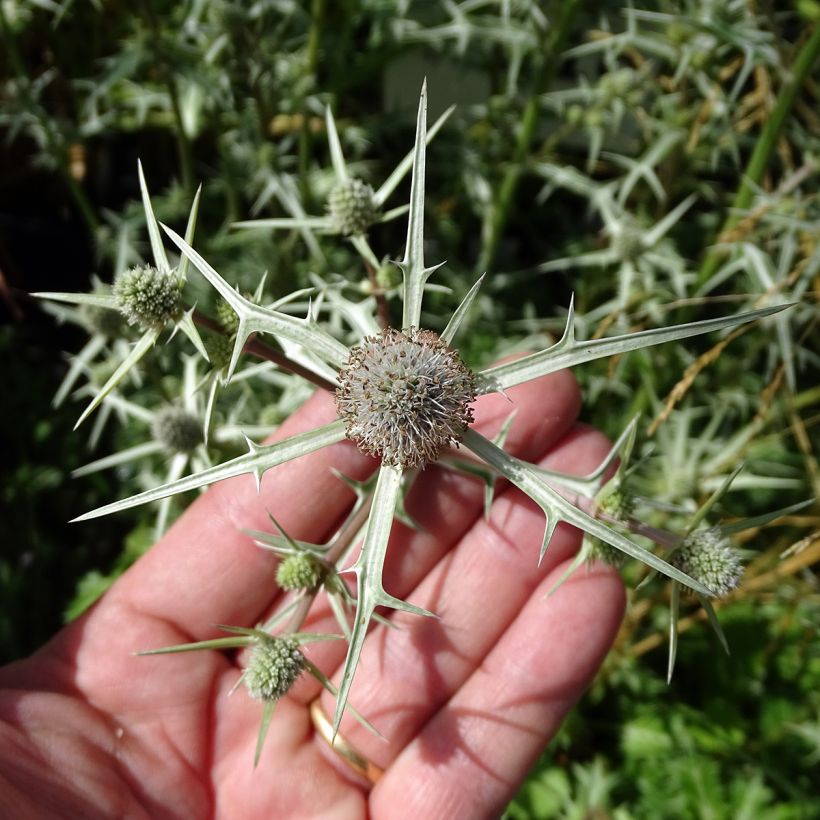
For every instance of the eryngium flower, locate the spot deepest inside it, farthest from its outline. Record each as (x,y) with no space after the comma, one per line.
(708,557)
(299,571)
(351,207)
(176,429)
(274,665)
(148,297)
(405,396)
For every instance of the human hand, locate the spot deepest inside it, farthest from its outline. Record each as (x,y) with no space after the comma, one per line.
(465,702)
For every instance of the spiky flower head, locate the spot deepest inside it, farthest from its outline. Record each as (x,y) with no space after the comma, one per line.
(351,207)
(176,429)
(709,558)
(148,297)
(274,665)
(405,396)
(299,571)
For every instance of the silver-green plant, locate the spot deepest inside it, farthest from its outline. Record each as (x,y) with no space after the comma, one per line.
(403,394)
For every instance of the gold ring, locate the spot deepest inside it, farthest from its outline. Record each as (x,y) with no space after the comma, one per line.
(354,759)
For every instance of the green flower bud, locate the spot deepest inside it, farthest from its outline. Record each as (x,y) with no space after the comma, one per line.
(274,665)
(102,321)
(615,500)
(299,571)
(351,207)
(708,557)
(388,276)
(147,297)
(176,429)
(220,350)
(628,242)
(601,551)
(226,316)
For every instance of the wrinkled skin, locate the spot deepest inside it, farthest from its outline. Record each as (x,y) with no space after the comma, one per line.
(465,702)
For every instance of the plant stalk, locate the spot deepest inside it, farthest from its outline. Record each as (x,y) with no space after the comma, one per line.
(509,184)
(763,150)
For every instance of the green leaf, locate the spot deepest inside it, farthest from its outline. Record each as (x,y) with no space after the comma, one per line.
(557,508)
(368,570)
(182,270)
(392,182)
(461,312)
(157,248)
(256,319)
(100,300)
(568,352)
(267,714)
(336,155)
(145,343)
(413,270)
(258,461)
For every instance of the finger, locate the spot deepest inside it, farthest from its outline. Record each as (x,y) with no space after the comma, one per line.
(446,504)
(206,570)
(477,591)
(473,754)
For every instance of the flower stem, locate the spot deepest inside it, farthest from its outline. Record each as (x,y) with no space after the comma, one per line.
(186,157)
(763,149)
(264,351)
(506,191)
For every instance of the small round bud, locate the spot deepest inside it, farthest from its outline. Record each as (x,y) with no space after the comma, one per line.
(102,321)
(388,276)
(709,558)
(615,500)
(628,242)
(574,114)
(176,429)
(405,396)
(299,571)
(351,207)
(220,350)
(226,316)
(147,297)
(274,665)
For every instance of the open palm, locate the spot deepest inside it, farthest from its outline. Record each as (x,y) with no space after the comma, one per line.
(465,702)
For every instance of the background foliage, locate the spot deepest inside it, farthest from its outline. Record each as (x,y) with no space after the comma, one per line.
(660,163)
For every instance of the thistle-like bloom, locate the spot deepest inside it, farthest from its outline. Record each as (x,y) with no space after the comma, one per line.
(709,558)
(352,206)
(405,396)
(177,429)
(299,571)
(148,297)
(274,665)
